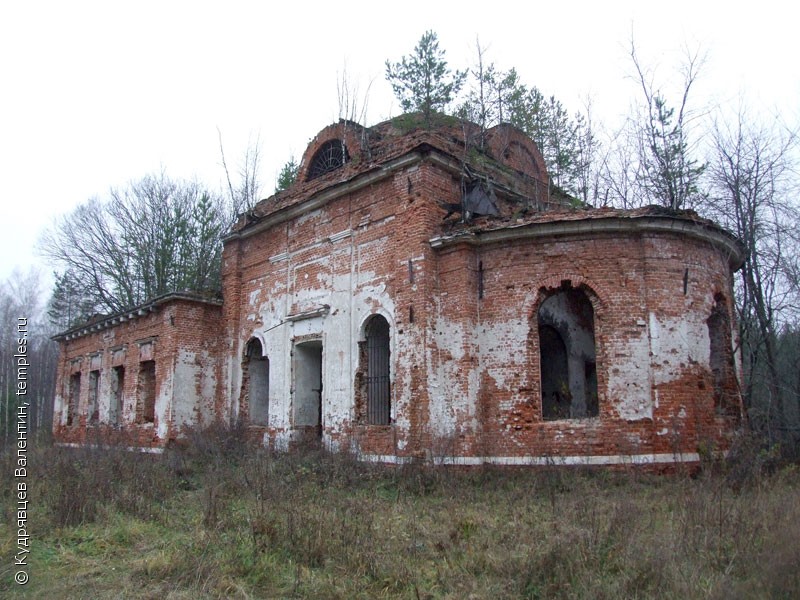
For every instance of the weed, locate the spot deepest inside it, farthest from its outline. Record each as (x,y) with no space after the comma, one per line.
(238,521)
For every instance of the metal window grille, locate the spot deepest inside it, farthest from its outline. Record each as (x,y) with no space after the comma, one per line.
(378,384)
(329,157)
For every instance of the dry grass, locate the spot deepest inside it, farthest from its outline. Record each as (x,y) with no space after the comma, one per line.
(221,520)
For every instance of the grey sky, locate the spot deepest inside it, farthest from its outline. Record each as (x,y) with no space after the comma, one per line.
(95,94)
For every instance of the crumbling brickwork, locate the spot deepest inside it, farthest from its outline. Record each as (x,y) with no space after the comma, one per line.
(423,295)
(153,370)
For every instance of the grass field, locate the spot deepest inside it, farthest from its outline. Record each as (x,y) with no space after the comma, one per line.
(221,520)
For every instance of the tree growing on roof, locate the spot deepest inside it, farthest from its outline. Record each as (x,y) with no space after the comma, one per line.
(288,175)
(422,81)
(243,192)
(668,170)
(567,143)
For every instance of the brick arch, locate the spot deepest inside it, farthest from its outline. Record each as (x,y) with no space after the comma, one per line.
(346,131)
(512,147)
(257,336)
(362,329)
(717,293)
(595,292)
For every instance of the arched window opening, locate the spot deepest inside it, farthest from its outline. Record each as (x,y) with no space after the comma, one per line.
(374,391)
(255,383)
(721,357)
(329,157)
(567,356)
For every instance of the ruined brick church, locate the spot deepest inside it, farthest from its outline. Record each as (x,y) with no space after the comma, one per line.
(425,293)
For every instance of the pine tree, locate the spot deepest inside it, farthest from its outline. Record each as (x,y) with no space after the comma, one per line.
(68,305)
(421,81)
(287,176)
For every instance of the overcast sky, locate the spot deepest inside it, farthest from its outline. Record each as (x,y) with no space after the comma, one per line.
(96,94)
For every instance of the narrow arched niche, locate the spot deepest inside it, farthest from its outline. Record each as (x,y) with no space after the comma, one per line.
(255,383)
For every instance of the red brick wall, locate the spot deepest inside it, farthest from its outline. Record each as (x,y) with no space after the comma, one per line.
(182,337)
(654,378)
(465,371)
(465,378)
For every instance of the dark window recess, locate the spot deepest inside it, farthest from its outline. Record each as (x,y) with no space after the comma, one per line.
(255,383)
(556,397)
(568,366)
(147,390)
(480,280)
(377,376)
(329,157)
(74,398)
(93,408)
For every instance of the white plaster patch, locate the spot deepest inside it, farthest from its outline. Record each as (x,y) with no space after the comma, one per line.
(453,391)
(193,371)
(163,403)
(254,296)
(503,344)
(629,377)
(306,217)
(677,343)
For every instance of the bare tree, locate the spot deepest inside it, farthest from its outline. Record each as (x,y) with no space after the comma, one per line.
(667,169)
(491,93)
(155,236)
(352,109)
(22,317)
(245,192)
(753,179)
(589,159)
(352,106)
